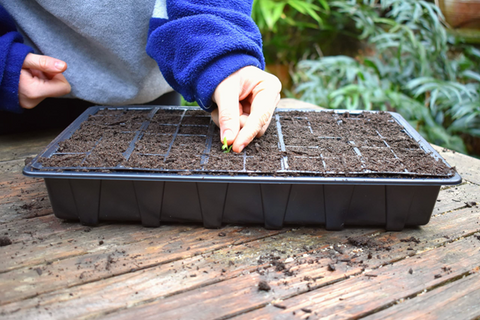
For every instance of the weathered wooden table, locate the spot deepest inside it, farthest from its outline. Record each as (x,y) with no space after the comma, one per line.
(63,270)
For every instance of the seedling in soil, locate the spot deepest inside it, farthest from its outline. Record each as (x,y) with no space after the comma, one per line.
(225,146)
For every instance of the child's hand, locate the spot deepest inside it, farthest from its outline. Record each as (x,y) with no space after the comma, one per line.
(41,77)
(246,101)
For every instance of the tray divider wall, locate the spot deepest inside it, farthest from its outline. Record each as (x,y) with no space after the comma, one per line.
(180,202)
(212,198)
(87,195)
(62,199)
(306,205)
(243,204)
(337,204)
(398,203)
(149,195)
(423,203)
(275,202)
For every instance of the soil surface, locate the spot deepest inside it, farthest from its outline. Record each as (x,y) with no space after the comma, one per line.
(296,143)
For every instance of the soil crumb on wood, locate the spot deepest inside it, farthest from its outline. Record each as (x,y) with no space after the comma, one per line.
(5,241)
(367,242)
(263,286)
(411,239)
(470,204)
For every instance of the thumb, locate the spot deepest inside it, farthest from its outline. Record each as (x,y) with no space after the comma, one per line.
(44,63)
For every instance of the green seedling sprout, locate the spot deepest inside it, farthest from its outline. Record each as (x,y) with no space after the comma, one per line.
(225,146)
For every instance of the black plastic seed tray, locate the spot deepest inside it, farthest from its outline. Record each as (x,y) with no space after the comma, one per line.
(307,185)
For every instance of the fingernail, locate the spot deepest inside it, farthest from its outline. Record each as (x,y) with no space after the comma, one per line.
(241,148)
(228,134)
(60,65)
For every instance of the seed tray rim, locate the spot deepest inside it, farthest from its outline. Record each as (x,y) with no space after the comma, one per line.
(239,176)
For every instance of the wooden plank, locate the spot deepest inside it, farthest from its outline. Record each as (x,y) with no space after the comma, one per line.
(467,167)
(456,300)
(22,145)
(376,289)
(29,232)
(166,282)
(289,103)
(22,198)
(172,278)
(455,197)
(11,166)
(351,298)
(13,184)
(110,251)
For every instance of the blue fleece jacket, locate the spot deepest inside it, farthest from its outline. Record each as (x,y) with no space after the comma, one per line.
(12,55)
(196,44)
(202,42)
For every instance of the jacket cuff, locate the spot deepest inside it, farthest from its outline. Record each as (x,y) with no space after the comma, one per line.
(11,77)
(216,72)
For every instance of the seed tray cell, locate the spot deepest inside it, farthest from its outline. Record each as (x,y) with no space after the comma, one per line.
(165,164)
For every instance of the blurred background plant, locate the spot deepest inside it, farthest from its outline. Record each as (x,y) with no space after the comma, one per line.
(400,58)
(290,29)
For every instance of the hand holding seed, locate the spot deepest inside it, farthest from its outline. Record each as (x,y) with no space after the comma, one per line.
(246,101)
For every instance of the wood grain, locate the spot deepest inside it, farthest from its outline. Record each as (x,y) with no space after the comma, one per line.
(82,257)
(455,300)
(166,282)
(350,298)
(467,167)
(22,145)
(376,289)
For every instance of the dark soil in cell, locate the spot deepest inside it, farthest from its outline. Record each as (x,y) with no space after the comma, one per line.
(64,160)
(306,164)
(225,162)
(153,144)
(161,128)
(296,143)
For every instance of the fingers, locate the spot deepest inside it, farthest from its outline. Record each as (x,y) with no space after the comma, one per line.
(266,95)
(246,101)
(44,63)
(41,77)
(227,115)
(33,89)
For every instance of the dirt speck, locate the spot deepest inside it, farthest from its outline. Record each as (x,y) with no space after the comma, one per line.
(5,241)
(411,239)
(264,286)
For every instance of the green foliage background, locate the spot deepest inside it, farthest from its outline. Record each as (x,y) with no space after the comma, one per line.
(407,61)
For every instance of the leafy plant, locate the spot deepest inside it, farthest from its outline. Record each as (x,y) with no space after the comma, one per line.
(225,147)
(289,27)
(414,68)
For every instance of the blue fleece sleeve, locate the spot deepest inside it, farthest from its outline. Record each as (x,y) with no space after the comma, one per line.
(12,55)
(202,42)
